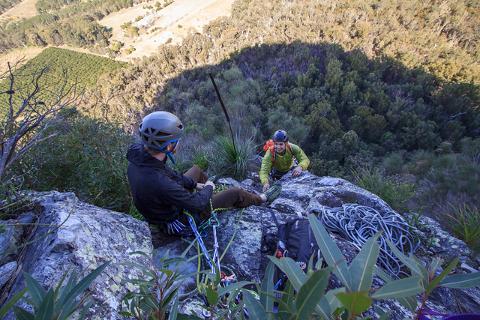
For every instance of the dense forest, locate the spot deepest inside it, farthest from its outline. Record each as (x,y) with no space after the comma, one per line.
(384,93)
(69,22)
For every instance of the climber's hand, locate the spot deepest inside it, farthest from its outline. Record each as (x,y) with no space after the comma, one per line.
(199,186)
(210,183)
(297,171)
(266,186)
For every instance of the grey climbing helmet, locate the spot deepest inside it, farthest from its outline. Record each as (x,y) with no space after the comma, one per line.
(159,129)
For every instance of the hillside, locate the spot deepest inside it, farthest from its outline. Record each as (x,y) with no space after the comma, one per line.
(144,27)
(24,9)
(392,102)
(383,97)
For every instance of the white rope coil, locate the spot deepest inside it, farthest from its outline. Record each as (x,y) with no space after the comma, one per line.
(357,223)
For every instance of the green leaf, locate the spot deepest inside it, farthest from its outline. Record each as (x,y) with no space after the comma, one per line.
(461,281)
(355,302)
(399,288)
(170,296)
(434,265)
(255,309)
(311,292)
(410,263)
(408,302)
(174,309)
(382,314)
(232,287)
(363,265)
(35,290)
(78,289)
(45,310)
(295,275)
(21,314)
(332,300)
(7,306)
(212,295)
(323,308)
(285,304)
(187,317)
(434,283)
(84,310)
(267,288)
(330,251)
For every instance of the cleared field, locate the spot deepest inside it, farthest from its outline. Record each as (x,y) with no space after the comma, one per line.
(25,9)
(168,25)
(13,56)
(81,68)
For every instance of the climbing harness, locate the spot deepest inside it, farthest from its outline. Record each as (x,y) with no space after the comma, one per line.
(357,223)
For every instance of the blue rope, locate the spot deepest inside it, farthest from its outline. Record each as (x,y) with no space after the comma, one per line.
(193,225)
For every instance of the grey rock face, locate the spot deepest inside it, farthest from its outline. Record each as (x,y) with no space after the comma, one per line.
(73,236)
(255,237)
(7,241)
(6,271)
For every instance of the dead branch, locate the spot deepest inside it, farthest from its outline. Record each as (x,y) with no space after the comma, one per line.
(29,117)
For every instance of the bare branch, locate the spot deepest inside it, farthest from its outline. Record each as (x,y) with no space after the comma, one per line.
(28,121)
(34,141)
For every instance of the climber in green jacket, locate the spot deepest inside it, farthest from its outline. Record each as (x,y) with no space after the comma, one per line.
(279,159)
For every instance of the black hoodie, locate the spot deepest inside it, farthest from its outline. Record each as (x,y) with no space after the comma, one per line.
(160,193)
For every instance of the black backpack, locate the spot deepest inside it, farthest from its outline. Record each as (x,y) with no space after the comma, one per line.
(295,240)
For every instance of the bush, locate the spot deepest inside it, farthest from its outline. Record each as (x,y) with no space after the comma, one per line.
(393,163)
(451,177)
(59,303)
(87,157)
(230,160)
(396,194)
(305,295)
(464,221)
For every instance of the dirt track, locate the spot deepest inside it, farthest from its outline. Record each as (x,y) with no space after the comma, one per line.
(25,9)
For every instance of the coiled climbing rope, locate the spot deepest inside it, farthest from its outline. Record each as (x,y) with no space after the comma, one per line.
(357,223)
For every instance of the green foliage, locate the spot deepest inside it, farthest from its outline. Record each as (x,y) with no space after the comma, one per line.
(57,303)
(129,29)
(80,68)
(115,46)
(396,194)
(87,156)
(71,22)
(464,221)
(44,6)
(156,292)
(230,160)
(156,289)
(452,177)
(7,4)
(357,294)
(12,200)
(201,160)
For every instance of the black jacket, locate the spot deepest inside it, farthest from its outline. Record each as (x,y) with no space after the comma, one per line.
(160,193)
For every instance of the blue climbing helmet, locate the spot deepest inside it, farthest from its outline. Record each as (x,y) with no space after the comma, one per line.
(280,136)
(160,129)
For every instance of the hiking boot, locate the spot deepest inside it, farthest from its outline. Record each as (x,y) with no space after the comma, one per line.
(273,192)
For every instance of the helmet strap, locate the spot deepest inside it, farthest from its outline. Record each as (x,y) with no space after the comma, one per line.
(170,156)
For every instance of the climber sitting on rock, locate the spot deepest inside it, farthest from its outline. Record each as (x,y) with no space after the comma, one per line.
(281,157)
(161,194)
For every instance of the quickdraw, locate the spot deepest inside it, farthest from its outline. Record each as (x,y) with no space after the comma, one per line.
(214,260)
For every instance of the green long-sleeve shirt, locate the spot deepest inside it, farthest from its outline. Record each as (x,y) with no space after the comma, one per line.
(284,162)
